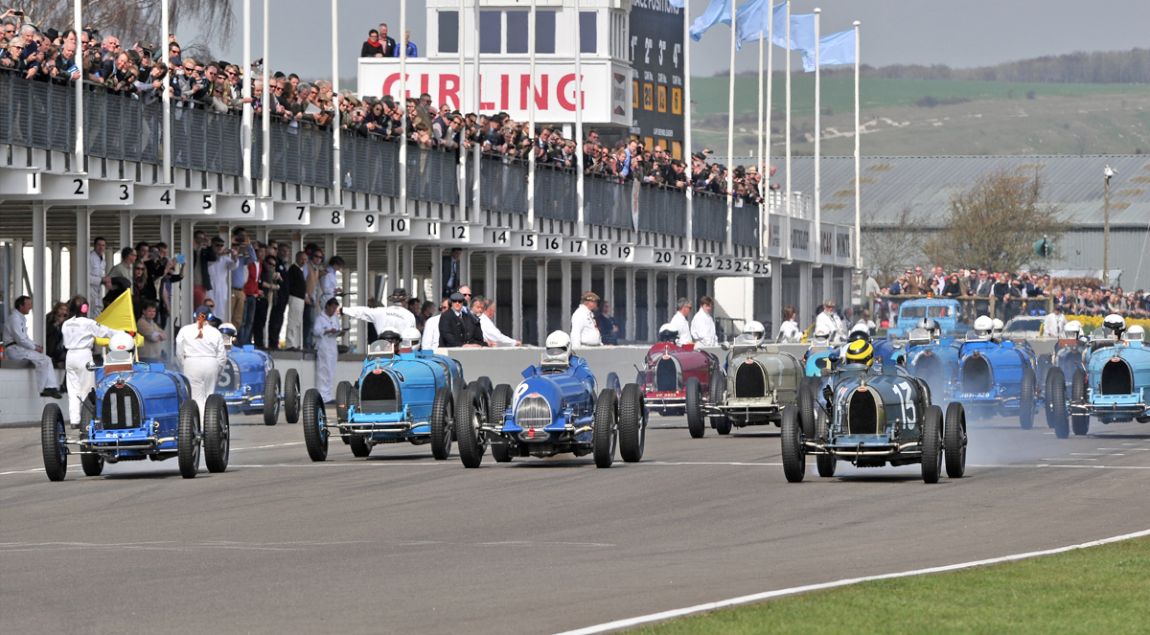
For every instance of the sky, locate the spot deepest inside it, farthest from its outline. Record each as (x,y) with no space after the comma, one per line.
(962,33)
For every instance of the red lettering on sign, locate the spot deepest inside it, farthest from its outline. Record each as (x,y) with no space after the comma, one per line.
(484,105)
(449,90)
(504,88)
(561,93)
(424,86)
(540,91)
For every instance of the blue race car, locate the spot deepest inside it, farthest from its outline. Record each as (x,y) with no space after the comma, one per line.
(945,312)
(932,358)
(250,382)
(403,395)
(995,377)
(554,410)
(137,411)
(1115,385)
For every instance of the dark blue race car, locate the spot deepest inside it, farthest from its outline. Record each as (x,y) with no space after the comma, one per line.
(250,384)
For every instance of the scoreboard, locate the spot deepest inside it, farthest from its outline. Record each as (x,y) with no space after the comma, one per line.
(657,51)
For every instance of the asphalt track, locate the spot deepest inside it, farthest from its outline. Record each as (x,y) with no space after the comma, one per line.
(400,543)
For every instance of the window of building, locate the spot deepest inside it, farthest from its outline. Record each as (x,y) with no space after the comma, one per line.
(517,31)
(545,32)
(448,31)
(588,36)
(490,31)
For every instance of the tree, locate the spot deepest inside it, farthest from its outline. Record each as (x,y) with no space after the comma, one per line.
(136,20)
(994,224)
(888,251)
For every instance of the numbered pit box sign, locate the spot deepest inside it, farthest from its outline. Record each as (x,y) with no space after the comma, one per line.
(760,268)
(600,250)
(446,232)
(576,246)
(552,244)
(391,226)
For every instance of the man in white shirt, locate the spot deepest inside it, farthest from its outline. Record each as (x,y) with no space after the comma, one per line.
(79,333)
(491,333)
(830,320)
(98,280)
(430,340)
(584,331)
(394,317)
(1054,323)
(329,282)
(202,355)
(327,329)
(220,273)
(21,347)
(703,324)
(679,322)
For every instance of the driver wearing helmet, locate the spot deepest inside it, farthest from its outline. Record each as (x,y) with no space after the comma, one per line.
(409,340)
(821,337)
(202,354)
(228,331)
(557,358)
(1116,324)
(1135,334)
(860,351)
(983,326)
(668,333)
(997,329)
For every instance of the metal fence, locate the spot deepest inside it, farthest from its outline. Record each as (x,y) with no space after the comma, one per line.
(301,153)
(709,216)
(36,114)
(745,225)
(369,164)
(205,140)
(555,194)
(607,202)
(122,127)
(431,175)
(662,210)
(502,184)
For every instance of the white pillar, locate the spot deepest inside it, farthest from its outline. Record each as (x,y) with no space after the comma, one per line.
(83,245)
(78,150)
(391,278)
(490,277)
(565,305)
(828,283)
(652,309)
(541,301)
(609,287)
(631,326)
(363,267)
(39,263)
(182,300)
(517,297)
(693,289)
(672,295)
(587,280)
(806,305)
(436,274)
(465,267)
(776,315)
(408,256)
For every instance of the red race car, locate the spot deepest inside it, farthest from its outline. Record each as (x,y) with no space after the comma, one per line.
(668,368)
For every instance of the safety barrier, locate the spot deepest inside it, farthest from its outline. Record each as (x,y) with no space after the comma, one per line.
(709,216)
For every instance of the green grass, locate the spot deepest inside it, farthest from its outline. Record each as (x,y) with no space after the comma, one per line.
(1099,590)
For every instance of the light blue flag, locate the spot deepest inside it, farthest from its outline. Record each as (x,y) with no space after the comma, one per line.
(678,4)
(834,50)
(802,32)
(751,20)
(718,12)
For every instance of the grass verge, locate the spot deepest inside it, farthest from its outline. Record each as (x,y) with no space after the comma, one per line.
(1098,590)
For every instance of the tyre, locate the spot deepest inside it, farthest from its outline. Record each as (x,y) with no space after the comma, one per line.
(360,448)
(613,382)
(1056,413)
(826,463)
(442,424)
(604,428)
(188,439)
(932,445)
(292,402)
(1026,399)
(469,416)
(696,420)
(1046,390)
(721,423)
(806,404)
(342,396)
(52,436)
(1079,423)
(315,430)
(954,440)
(794,456)
(501,398)
(272,397)
(632,424)
(93,464)
(217,434)
(485,383)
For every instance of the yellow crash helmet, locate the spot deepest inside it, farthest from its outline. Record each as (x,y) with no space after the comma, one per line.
(860,352)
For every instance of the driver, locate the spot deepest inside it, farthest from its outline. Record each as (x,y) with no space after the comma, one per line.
(860,351)
(754,333)
(668,333)
(409,340)
(557,352)
(228,331)
(997,329)
(822,336)
(1135,334)
(1116,324)
(202,354)
(983,326)
(924,332)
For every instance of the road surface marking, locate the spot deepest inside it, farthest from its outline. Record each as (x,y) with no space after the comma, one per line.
(767,595)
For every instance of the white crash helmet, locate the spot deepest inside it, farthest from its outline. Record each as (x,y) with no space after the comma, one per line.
(668,333)
(1114,323)
(1135,334)
(410,340)
(120,347)
(998,326)
(929,325)
(983,325)
(859,327)
(1072,329)
(228,330)
(754,331)
(822,334)
(557,351)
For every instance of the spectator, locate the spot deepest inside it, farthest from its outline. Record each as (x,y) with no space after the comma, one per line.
(458,328)
(789,331)
(491,333)
(372,47)
(152,349)
(584,331)
(53,336)
(280,295)
(390,49)
(703,325)
(431,327)
(680,323)
(608,327)
(21,347)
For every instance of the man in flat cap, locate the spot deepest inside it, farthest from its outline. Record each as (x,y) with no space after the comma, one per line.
(584,331)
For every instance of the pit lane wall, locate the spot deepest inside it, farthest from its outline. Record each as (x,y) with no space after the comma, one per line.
(21,405)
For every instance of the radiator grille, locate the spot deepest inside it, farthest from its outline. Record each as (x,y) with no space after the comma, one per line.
(750,381)
(533,412)
(666,375)
(862,413)
(121,409)
(1117,379)
(976,376)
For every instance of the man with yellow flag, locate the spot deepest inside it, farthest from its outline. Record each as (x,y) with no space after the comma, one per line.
(79,334)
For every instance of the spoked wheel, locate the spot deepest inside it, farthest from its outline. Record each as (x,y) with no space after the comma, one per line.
(217,434)
(794,455)
(954,440)
(53,442)
(92,463)
(806,403)
(721,423)
(604,428)
(696,420)
(442,424)
(292,403)
(188,439)
(1056,413)
(1079,423)
(315,430)
(825,463)
(469,435)
(272,398)
(932,445)
(501,399)
(632,424)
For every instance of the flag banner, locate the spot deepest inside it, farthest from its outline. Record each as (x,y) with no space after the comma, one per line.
(802,32)
(751,21)
(718,12)
(835,49)
(119,315)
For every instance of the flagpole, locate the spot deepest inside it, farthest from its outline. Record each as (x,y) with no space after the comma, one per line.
(767,140)
(403,108)
(759,156)
(245,94)
(266,120)
(531,118)
(787,125)
(731,134)
(858,159)
(688,190)
(461,178)
(335,163)
(818,144)
(580,221)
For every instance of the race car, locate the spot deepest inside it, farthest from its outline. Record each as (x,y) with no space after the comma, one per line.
(137,411)
(250,383)
(1069,358)
(945,312)
(403,395)
(995,377)
(1113,387)
(932,357)
(670,367)
(872,416)
(554,410)
(760,383)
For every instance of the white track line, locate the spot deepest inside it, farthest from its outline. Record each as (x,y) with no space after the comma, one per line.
(767,595)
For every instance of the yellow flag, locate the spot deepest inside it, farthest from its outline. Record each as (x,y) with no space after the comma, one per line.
(119,315)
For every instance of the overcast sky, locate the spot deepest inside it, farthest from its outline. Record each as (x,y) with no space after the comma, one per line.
(960,33)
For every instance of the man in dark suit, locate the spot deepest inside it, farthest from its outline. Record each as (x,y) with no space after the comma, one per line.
(451,271)
(457,328)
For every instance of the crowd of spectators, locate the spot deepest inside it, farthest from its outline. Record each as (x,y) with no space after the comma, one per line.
(1012,292)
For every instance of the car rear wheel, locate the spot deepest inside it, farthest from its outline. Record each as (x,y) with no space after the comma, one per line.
(826,463)
(292,400)
(442,424)
(342,395)
(1080,423)
(806,403)
(272,397)
(613,382)
(721,423)
(1056,414)
(469,417)
(1026,399)
(604,425)
(188,439)
(954,440)
(696,420)
(794,455)
(360,448)
(52,436)
(315,431)
(217,434)
(932,445)
(632,424)
(92,463)
(501,399)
